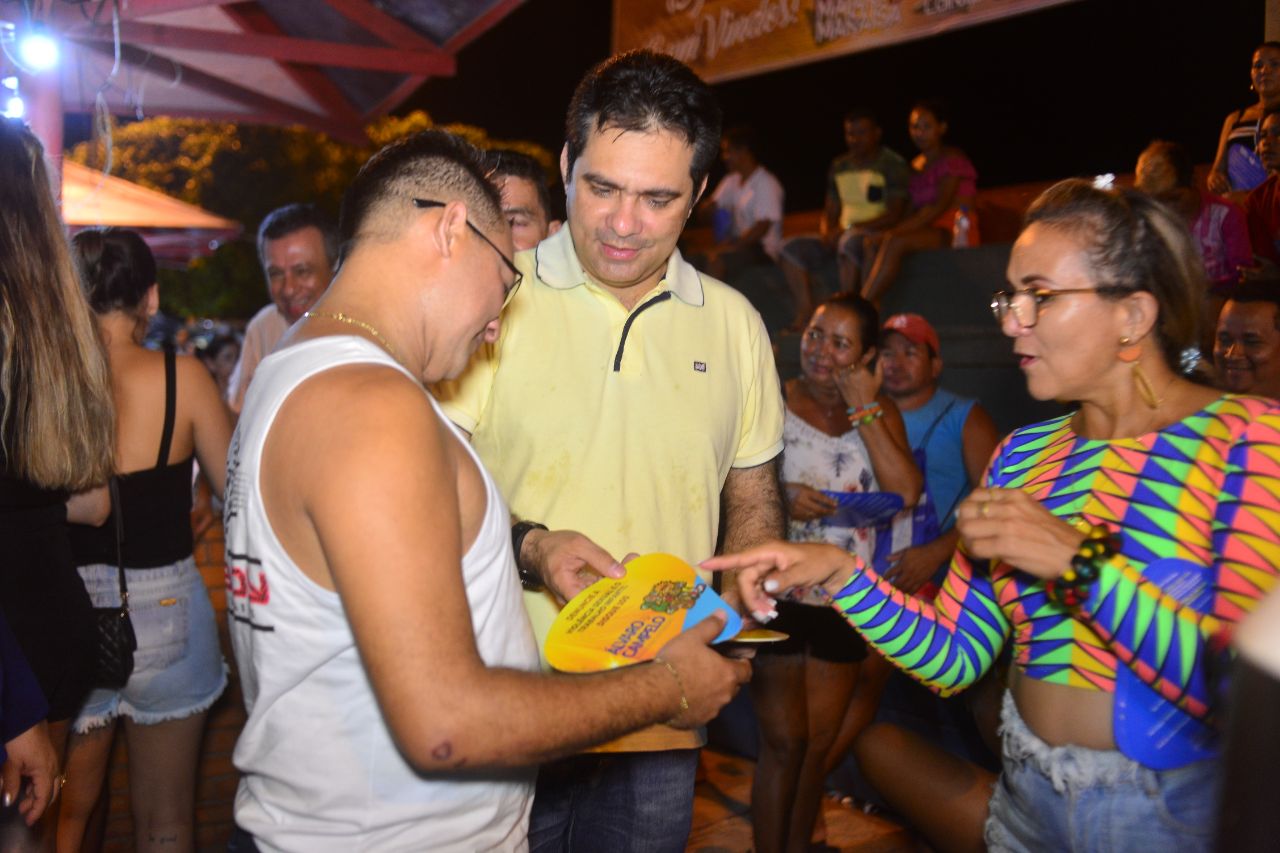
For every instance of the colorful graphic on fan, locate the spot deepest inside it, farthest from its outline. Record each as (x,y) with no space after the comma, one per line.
(616,623)
(1197,508)
(670,596)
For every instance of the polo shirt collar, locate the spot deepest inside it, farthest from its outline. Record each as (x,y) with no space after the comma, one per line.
(557,265)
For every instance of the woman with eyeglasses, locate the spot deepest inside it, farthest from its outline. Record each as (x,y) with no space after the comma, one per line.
(1115,547)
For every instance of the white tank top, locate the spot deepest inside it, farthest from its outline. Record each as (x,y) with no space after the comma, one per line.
(321,772)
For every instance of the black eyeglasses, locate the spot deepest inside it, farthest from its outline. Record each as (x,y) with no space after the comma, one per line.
(1025,304)
(423,203)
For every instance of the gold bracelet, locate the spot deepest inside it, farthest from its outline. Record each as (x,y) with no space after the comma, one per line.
(684,700)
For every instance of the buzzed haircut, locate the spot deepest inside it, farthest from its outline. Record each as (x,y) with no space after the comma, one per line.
(431,165)
(284,221)
(1264,289)
(644,91)
(509,163)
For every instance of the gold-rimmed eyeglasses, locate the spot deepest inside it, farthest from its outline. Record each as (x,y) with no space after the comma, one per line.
(518,276)
(1025,304)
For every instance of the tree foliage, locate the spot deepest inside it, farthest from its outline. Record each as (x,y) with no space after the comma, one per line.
(243,172)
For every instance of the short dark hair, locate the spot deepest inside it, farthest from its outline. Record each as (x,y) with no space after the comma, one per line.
(641,90)
(861,114)
(431,164)
(284,221)
(116,268)
(744,136)
(864,310)
(1264,289)
(1133,243)
(509,163)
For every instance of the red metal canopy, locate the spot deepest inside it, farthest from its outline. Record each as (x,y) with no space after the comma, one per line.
(328,64)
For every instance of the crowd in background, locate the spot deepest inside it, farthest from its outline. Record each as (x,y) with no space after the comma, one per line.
(1095,560)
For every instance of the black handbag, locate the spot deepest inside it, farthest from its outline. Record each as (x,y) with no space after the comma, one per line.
(115,641)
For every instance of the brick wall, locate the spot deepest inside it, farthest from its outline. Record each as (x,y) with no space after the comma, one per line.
(216,789)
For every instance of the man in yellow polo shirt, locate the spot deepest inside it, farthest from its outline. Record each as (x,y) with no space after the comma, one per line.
(631,399)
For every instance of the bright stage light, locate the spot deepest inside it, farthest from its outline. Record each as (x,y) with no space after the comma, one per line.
(14,108)
(37,50)
(10,83)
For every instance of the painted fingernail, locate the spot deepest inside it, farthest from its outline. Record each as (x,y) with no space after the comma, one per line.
(771,585)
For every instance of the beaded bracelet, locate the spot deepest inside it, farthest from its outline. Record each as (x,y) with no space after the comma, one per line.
(1072,587)
(860,416)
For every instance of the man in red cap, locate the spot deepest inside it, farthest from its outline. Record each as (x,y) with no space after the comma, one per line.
(956,435)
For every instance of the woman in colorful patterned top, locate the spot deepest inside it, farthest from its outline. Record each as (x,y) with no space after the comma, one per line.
(943,183)
(1110,723)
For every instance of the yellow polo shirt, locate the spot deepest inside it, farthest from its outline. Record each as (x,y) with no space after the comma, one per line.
(621,425)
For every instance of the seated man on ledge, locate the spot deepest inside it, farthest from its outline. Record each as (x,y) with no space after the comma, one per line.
(387,661)
(745,209)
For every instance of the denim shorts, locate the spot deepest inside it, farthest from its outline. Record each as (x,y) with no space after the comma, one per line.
(178,668)
(1075,799)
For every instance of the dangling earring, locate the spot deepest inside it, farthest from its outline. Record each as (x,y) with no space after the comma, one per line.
(1129,353)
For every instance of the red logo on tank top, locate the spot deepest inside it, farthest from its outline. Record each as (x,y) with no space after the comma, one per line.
(250,584)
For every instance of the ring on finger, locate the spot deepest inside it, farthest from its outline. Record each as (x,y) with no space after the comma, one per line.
(984,508)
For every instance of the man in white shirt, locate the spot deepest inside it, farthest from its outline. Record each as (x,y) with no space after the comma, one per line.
(387,662)
(745,209)
(298,248)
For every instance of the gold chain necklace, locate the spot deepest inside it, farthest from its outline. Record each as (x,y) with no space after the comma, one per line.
(359,324)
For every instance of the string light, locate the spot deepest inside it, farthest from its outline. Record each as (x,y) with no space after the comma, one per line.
(37,50)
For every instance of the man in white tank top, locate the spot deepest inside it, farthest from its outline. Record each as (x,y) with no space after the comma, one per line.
(387,662)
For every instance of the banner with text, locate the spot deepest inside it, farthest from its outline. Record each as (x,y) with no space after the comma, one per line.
(724,39)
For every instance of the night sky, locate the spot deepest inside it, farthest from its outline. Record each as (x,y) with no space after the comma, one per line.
(1073,90)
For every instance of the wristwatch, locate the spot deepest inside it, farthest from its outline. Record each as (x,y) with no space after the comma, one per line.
(528,579)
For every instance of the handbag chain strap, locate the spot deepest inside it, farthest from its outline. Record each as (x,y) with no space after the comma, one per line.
(117,512)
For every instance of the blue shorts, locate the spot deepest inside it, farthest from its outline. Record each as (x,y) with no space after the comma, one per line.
(1069,798)
(178,668)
